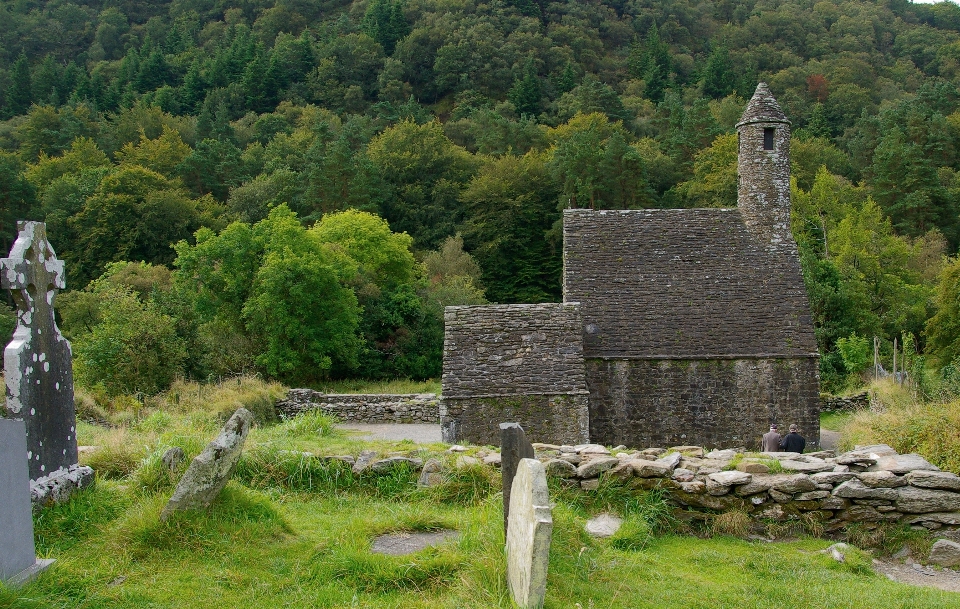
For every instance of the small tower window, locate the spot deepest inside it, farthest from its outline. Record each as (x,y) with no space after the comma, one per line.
(768,138)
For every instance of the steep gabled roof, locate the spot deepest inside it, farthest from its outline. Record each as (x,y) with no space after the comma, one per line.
(763,108)
(682,283)
(518,349)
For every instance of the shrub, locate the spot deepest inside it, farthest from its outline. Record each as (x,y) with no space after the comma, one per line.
(909,427)
(134,348)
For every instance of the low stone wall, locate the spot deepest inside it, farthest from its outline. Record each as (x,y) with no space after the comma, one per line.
(869,485)
(364,408)
(853,403)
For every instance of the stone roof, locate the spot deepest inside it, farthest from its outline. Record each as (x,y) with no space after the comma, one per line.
(683,284)
(763,108)
(520,349)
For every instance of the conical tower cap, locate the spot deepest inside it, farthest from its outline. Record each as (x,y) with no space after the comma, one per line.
(763,108)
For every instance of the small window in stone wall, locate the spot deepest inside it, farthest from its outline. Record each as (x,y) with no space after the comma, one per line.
(768,138)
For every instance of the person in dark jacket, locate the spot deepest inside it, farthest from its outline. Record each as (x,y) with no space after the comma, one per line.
(793,442)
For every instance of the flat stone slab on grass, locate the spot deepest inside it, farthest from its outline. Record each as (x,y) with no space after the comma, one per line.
(603,525)
(398,544)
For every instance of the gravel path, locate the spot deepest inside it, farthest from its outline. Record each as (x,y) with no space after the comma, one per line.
(421,433)
(919,575)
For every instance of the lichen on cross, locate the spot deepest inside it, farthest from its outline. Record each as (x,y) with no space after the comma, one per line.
(31,270)
(38,363)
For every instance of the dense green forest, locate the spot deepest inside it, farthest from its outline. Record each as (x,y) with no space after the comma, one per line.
(298,188)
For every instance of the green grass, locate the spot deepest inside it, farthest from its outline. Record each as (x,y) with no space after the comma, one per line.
(294,530)
(393,386)
(293,549)
(834,421)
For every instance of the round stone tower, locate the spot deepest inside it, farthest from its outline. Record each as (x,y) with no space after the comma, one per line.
(763,168)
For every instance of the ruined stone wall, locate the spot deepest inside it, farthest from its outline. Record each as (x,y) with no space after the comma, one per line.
(521,363)
(714,403)
(364,408)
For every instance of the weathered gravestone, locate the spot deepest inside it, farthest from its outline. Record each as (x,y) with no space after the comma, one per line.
(210,471)
(513,447)
(529,532)
(18,561)
(37,362)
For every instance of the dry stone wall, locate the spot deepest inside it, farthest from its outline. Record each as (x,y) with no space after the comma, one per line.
(364,408)
(715,403)
(869,485)
(853,403)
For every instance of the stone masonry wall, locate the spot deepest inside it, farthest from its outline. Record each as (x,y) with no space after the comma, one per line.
(364,408)
(521,363)
(713,403)
(555,418)
(861,401)
(528,349)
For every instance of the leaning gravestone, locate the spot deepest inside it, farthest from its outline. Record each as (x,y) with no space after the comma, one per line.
(37,364)
(18,561)
(528,535)
(210,471)
(513,447)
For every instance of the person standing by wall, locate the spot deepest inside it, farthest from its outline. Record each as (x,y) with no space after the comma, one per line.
(793,442)
(771,440)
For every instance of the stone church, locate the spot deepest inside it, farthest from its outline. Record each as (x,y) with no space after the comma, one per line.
(677,326)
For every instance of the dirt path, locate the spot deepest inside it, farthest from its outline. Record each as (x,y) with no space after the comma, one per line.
(829,439)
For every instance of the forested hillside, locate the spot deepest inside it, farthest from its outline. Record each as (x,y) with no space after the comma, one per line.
(304,185)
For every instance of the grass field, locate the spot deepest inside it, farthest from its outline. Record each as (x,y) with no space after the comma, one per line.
(293,531)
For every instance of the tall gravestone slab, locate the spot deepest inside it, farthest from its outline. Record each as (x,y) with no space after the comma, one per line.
(529,533)
(18,562)
(37,363)
(513,447)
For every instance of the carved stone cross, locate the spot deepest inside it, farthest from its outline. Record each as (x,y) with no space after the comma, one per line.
(37,364)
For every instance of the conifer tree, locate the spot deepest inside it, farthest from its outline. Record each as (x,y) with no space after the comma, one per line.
(718,77)
(526,92)
(651,62)
(20,95)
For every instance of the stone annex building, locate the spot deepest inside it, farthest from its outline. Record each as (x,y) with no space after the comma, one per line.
(678,326)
